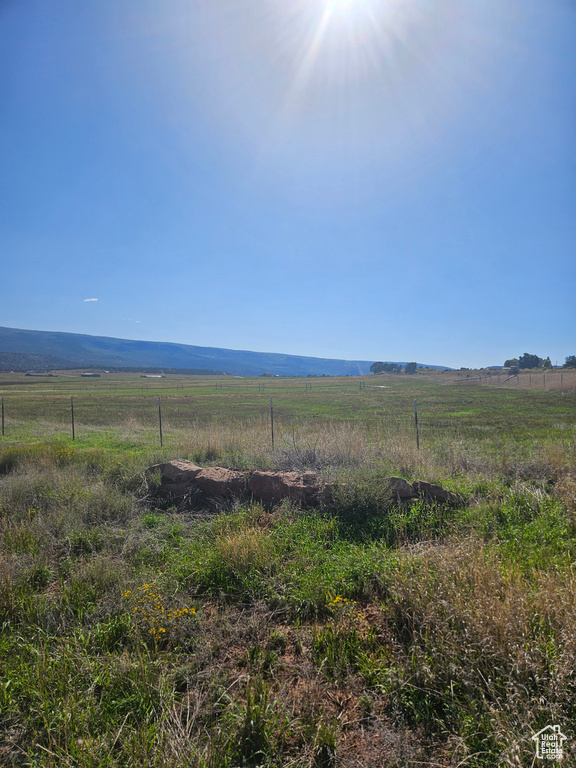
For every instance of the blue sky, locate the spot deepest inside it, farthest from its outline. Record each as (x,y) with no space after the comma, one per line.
(360,179)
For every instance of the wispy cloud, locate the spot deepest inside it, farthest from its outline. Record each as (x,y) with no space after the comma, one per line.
(90,299)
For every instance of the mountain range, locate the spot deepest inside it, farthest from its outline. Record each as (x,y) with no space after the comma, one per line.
(55,349)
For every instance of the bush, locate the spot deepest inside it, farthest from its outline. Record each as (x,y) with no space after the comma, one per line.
(362,503)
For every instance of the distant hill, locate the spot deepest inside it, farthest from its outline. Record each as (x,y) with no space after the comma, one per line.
(81,350)
(18,361)
(22,361)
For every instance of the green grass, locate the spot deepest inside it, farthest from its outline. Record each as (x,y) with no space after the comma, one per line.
(361,633)
(187,402)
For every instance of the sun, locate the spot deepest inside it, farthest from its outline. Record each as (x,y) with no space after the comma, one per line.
(340,4)
(360,21)
(345,36)
(344,8)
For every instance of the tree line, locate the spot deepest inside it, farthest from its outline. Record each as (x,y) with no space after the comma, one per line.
(379,367)
(533,361)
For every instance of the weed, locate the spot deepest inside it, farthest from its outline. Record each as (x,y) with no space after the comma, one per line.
(360,503)
(150,615)
(277,641)
(324,754)
(151,520)
(256,723)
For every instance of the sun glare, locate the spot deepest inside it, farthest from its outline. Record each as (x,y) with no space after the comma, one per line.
(346,11)
(367,29)
(342,80)
(340,4)
(350,39)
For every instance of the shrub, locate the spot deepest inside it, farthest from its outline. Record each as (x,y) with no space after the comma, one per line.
(361,503)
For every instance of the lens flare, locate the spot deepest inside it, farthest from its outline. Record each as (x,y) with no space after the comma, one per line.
(312,88)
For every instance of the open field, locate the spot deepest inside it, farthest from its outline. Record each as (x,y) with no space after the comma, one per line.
(137,634)
(448,404)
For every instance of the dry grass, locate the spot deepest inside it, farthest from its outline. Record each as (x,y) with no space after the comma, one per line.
(245,550)
(466,649)
(488,648)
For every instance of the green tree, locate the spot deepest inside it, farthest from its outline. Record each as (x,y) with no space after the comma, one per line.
(529,361)
(512,363)
(410,368)
(386,368)
(570,362)
(547,364)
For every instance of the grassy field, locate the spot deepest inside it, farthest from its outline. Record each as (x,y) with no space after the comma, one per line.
(359,634)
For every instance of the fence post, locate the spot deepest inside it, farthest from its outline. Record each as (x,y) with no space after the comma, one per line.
(3,414)
(272,421)
(416,422)
(160,421)
(72,412)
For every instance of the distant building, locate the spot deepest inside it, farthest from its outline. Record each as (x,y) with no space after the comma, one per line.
(90,375)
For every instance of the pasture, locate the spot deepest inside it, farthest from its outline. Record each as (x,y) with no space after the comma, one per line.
(138,633)
(126,406)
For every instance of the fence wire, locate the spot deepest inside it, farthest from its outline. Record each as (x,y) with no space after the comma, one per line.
(470,407)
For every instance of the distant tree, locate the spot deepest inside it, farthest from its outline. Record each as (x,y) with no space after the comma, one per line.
(547,364)
(410,368)
(570,362)
(512,363)
(386,368)
(529,361)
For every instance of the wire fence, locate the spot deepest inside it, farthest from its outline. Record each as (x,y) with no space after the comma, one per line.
(268,421)
(543,381)
(157,417)
(274,411)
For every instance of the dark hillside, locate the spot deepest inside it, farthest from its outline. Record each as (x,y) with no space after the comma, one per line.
(84,351)
(21,361)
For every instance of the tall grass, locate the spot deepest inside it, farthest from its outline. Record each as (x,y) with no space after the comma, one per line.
(363,633)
